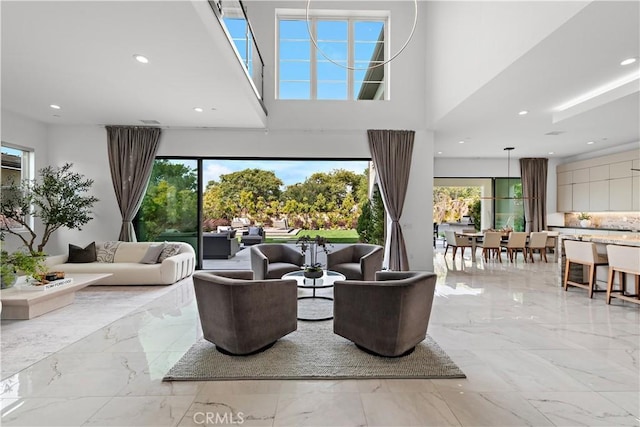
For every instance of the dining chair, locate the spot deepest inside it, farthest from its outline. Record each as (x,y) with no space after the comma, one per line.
(491,244)
(583,253)
(456,241)
(623,260)
(517,241)
(538,241)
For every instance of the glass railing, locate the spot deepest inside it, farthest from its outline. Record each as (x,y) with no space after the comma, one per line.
(232,16)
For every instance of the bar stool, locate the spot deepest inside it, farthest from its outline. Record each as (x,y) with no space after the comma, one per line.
(582,253)
(625,260)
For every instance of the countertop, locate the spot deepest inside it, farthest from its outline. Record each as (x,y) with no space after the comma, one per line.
(577,227)
(631,239)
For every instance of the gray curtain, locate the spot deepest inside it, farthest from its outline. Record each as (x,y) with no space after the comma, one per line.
(391,153)
(132,151)
(533,173)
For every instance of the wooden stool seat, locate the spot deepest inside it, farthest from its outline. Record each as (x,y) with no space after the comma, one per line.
(584,253)
(624,260)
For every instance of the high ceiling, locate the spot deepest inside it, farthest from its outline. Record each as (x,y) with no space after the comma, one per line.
(79,55)
(582,55)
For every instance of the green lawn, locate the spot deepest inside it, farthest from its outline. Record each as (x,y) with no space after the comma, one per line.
(334,236)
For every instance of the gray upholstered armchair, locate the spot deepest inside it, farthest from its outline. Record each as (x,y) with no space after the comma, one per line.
(243,316)
(388,316)
(274,260)
(359,261)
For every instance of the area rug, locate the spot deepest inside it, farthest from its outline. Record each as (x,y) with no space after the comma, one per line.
(312,352)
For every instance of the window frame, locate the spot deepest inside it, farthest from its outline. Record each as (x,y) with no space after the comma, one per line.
(27,172)
(351,17)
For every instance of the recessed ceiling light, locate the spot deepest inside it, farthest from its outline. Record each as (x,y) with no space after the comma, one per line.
(628,61)
(460,142)
(551,152)
(439,152)
(141,58)
(198,110)
(590,142)
(523,113)
(55,106)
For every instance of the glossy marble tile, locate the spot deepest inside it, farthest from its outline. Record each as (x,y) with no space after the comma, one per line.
(533,355)
(49,411)
(320,409)
(581,409)
(141,411)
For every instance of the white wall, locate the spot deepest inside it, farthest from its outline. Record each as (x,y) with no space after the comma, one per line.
(470,42)
(86,148)
(24,133)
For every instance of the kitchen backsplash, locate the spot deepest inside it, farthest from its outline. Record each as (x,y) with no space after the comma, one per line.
(612,220)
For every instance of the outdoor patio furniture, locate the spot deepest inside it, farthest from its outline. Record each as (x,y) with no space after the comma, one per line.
(387,316)
(274,260)
(223,245)
(242,316)
(359,261)
(253,236)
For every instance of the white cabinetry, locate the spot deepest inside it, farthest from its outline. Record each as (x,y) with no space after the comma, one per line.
(635,198)
(619,190)
(580,197)
(600,184)
(565,198)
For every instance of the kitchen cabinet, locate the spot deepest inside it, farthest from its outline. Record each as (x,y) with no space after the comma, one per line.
(599,173)
(580,197)
(635,198)
(565,198)
(599,195)
(619,190)
(600,184)
(581,175)
(620,170)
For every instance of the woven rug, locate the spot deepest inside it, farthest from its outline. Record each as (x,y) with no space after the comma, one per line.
(312,352)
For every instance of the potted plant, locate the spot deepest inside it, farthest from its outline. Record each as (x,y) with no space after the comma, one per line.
(313,270)
(57,198)
(585,219)
(32,266)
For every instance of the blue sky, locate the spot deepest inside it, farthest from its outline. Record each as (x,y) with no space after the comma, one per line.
(289,171)
(296,53)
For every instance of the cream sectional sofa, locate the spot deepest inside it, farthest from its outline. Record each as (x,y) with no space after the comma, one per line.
(122,259)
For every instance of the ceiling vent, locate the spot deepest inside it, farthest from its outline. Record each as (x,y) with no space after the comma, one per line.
(555,132)
(150,122)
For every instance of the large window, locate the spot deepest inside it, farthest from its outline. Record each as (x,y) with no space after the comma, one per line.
(17,166)
(352,48)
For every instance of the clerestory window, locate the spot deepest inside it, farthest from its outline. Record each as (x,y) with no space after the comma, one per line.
(352,48)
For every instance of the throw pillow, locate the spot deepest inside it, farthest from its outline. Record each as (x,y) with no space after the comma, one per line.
(170,249)
(82,255)
(224,228)
(105,252)
(254,231)
(151,257)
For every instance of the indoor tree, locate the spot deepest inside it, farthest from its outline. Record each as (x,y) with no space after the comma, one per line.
(58,197)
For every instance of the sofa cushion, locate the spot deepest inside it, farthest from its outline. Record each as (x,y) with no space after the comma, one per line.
(170,249)
(278,269)
(254,231)
(82,255)
(351,270)
(106,251)
(154,251)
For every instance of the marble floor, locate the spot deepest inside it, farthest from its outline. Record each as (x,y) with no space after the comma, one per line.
(533,354)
